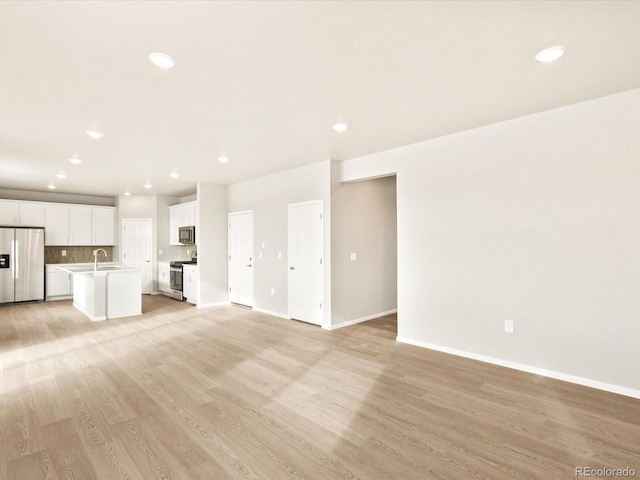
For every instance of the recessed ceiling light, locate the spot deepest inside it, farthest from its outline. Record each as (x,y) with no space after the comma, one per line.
(75,161)
(340,127)
(61,175)
(551,54)
(162,60)
(51,186)
(127,194)
(174,175)
(94,134)
(147,185)
(223,159)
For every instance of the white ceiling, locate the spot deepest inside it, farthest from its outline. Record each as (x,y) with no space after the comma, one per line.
(262,82)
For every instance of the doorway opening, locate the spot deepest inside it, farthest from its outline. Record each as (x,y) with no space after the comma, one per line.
(364,252)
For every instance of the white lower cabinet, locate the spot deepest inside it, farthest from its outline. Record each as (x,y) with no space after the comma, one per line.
(59,284)
(164,280)
(190,283)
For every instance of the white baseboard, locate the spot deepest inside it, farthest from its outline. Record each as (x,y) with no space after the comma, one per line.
(269,312)
(214,304)
(359,320)
(587,382)
(63,297)
(91,317)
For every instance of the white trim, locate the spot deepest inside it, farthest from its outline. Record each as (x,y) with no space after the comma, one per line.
(360,320)
(272,313)
(91,317)
(308,202)
(60,297)
(214,304)
(587,382)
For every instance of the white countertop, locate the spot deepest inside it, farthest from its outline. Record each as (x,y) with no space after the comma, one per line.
(102,268)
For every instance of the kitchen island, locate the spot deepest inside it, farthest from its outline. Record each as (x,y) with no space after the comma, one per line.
(108,291)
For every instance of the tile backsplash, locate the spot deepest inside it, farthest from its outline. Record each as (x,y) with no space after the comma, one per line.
(75,254)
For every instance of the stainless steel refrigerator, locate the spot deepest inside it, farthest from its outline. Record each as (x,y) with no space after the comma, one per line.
(21,264)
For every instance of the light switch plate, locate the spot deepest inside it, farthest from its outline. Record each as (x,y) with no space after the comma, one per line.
(353,256)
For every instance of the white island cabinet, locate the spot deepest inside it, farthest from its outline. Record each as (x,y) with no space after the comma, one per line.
(106,292)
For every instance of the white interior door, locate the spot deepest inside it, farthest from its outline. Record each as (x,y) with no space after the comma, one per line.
(241,261)
(137,248)
(305,261)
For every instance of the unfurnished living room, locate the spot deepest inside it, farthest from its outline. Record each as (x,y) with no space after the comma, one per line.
(319,240)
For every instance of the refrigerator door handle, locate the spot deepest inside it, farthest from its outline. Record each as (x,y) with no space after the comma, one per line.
(16,263)
(13,266)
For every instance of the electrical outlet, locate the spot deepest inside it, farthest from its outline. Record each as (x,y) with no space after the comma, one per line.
(508,326)
(160,252)
(354,257)
(279,255)
(260,254)
(262,244)
(273,291)
(63,253)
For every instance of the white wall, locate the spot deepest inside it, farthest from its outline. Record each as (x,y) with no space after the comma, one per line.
(268,197)
(363,221)
(212,247)
(534,220)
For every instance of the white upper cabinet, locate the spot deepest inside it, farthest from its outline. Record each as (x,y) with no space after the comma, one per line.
(188,214)
(56,226)
(103,222)
(8,212)
(80,228)
(64,224)
(24,214)
(91,225)
(181,215)
(31,214)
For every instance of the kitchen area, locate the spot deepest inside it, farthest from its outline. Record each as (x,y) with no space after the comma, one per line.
(53,251)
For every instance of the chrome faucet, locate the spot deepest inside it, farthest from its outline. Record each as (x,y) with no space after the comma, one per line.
(95,255)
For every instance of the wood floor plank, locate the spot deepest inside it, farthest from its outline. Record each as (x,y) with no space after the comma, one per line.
(147,454)
(35,466)
(67,450)
(48,401)
(229,393)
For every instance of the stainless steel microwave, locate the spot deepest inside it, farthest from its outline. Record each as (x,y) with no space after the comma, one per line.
(187,235)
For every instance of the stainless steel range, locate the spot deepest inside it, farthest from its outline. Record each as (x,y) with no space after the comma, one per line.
(175,277)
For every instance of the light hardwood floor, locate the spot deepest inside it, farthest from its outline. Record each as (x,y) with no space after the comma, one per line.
(227,393)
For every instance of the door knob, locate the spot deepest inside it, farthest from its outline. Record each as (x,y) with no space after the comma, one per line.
(248,265)
(292,268)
